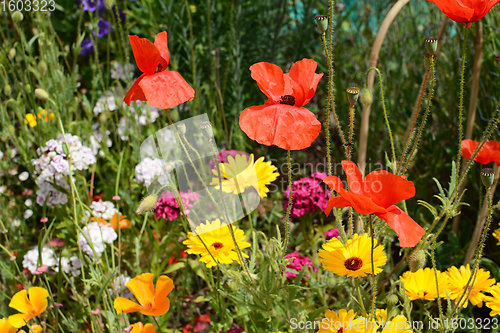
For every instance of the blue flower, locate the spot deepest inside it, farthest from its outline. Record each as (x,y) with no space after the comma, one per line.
(104,28)
(92,5)
(87,47)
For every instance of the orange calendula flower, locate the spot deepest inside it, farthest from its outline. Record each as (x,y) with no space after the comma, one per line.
(29,307)
(140,328)
(115,221)
(6,327)
(152,302)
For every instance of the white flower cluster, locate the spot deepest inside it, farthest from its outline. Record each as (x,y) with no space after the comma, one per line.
(103,209)
(119,285)
(99,235)
(96,139)
(69,265)
(148,170)
(119,71)
(52,167)
(105,102)
(142,113)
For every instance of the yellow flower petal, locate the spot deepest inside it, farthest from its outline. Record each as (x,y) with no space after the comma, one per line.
(125,305)
(6,326)
(38,299)
(143,288)
(17,320)
(21,303)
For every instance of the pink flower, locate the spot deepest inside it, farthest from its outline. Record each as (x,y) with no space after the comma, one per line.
(59,305)
(41,270)
(44,220)
(116,198)
(56,242)
(308,195)
(128,329)
(332,233)
(95,312)
(168,208)
(297,264)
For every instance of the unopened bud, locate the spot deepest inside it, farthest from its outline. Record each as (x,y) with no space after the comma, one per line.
(417,260)
(7,90)
(11,129)
(353,95)
(431,44)
(322,23)
(487,176)
(147,204)
(391,299)
(17,16)
(181,128)
(427,60)
(109,3)
(366,98)
(41,94)
(65,148)
(12,53)
(42,67)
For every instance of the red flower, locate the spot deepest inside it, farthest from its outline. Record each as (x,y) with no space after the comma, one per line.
(465,11)
(489,153)
(282,121)
(162,89)
(377,194)
(200,324)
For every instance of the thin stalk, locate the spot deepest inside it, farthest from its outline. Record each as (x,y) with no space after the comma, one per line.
(374,282)
(460,108)
(360,298)
(351,131)
(290,203)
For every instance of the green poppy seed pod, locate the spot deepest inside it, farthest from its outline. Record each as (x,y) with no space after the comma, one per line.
(12,53)
(322,23)
(431,44)
(7,90)
(427,60)
(391,299)
(352,95)
(42,67)
(17,16)
(11,129)
(41,94)
(27,88)
(65,148)
(109,3)
(147,204)
(181,128)
(417,260)
(487,176)
(366,98)
(206,129)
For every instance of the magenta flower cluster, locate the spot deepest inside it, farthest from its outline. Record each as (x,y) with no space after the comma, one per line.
(308,194)
(297,264)
(332,233)
(168,208)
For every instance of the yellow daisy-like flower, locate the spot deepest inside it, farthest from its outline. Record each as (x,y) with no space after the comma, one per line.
(398,324)
(496,234)
(493,301)
(353,259)
(343,322)
(458,280)
(240,174)
(218,240)
(422,284)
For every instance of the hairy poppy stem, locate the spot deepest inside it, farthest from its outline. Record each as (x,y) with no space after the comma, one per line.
(351,130)
(360,298)
(290,203)
(460,108)
(434,268)
(374,280)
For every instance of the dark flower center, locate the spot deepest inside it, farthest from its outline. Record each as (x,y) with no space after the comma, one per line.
(287,99)
(159,68)
(353,263)
(218,245)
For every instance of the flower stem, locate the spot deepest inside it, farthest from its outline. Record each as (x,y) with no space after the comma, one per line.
(360,298)
(290,203)
(351,131)
(374,282)
(460,108)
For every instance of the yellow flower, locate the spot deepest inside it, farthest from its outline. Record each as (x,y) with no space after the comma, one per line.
(353,259)
(458,280)
(46,116)
(218,240)
(493,301)
(30,119)
(398,324)
(29,308)
(34,329)
(422,284)
(140,328)
(239,174)
(343,322)
(6,327)
(496,234)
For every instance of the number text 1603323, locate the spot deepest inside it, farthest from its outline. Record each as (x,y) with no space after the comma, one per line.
(28,5)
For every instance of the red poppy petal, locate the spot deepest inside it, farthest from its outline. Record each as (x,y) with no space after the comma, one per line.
(408,231)
(354,177)
(166,89)
(304,80)
(386,189)
(162,46)
(455,10)
(482,8)
(286,126)
(146,54)
(490,152)
(270,80)
(359,203)
(135,92)
(334,182)
(468,147)
(337,202)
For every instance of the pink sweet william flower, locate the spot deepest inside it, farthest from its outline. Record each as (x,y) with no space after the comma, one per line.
(308,195)
(297,264)
(167,207)
(332,233)
(41,270)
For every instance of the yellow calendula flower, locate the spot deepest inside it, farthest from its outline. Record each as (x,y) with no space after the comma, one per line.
(353,259)
(6,327)
(218,240)
(343,322)
(29,307)
(422,284)
(496,234)
(239,174)
(493,301)
(398,324)
(458,280)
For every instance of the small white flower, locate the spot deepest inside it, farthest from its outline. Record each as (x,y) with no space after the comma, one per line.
(13,172)
(28,202)
(24,175)
(16,222)
(3,188)
(28,213)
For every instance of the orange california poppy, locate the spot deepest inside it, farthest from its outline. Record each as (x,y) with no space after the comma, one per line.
(124,223)
(29,307)
(152,302)
(162,89)
(465,11)
(140,328)
(6,327)
(283,121)
(377,194)
(490,152)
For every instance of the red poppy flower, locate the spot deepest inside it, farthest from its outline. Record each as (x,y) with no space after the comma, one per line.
(489,153)
(465,11)
(162,89)
(377,194)
(283,121)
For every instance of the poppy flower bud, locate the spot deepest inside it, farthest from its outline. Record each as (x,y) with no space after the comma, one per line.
(366,98)
(431,44)
(12,54)
(417,260)
(17,16)
(487,176)
(109,3)
(391,299)
(42,67)
(147,204)
(7,90)
(41,94)
(181,128)
(427,60)
(353,95)
(322,23)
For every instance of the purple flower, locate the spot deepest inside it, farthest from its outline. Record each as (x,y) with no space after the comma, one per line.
(297,264)
(332,233)
(92,5)
(168,208)
(87,47)
(104,28)
(224,153)
(308,195)
(235,328)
